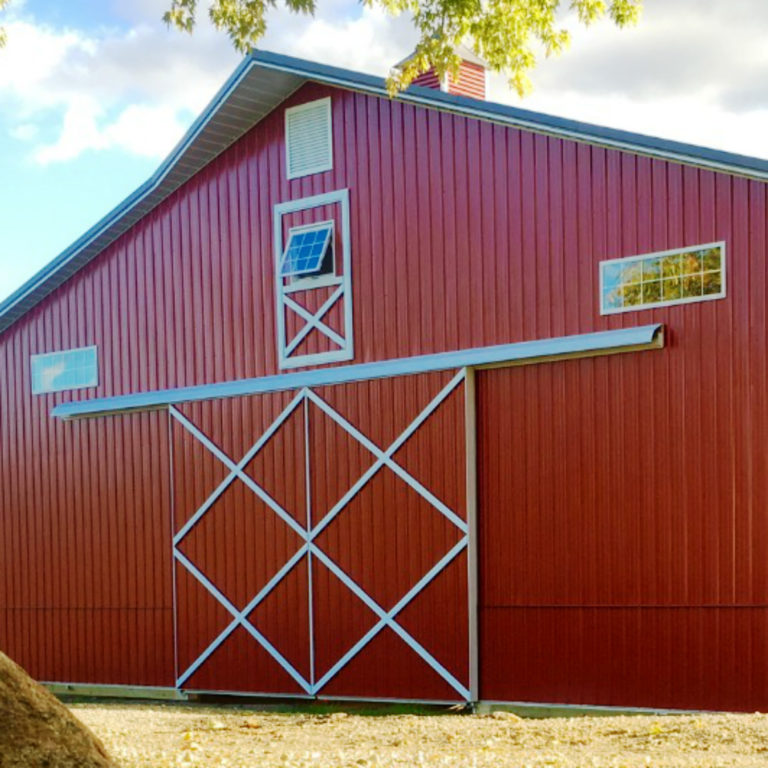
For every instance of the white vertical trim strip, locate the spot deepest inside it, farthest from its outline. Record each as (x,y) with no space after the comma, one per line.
(277,237)
(470,442)
(172,475)
(346,242)
(308,484)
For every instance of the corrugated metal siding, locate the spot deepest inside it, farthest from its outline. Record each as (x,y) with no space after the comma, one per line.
(85,594)
(470,82)
(463,234)
(428,79)
(447,215)
(622,553)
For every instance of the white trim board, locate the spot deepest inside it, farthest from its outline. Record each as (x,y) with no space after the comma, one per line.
(601,342)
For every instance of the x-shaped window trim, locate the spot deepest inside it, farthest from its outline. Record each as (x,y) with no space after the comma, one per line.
(314,320)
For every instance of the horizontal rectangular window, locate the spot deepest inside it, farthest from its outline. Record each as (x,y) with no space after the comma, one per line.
(70,369)
(661,279)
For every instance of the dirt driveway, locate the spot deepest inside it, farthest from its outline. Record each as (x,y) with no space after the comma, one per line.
(141,735)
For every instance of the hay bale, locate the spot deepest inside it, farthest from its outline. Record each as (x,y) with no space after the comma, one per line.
(37,730)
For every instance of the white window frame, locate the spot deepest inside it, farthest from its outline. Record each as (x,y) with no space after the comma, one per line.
(57,353)
(669,302)
(286,358)
(320,167)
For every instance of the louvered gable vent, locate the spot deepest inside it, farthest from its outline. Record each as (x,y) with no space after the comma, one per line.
(308,138)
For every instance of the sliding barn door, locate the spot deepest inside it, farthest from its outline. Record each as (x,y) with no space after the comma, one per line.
(321,541)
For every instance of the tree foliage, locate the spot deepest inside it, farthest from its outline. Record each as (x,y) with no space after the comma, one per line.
(506,33)
(3,3)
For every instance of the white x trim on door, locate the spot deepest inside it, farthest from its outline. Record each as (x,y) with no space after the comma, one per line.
(310,549)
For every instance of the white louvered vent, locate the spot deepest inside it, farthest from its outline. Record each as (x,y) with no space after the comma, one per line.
(308,145)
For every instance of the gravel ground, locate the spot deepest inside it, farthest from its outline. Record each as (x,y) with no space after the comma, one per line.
(160,736)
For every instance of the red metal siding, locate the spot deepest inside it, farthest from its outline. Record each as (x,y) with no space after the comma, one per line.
(86,586)
(463,234)
(448,215)
(470,82)
(621,552)
(428,79)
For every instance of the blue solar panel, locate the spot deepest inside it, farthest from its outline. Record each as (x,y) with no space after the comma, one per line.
(305,251)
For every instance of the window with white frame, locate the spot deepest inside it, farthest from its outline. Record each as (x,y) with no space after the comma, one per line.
(660,279)
(313,280)
(308,138)
(68,369)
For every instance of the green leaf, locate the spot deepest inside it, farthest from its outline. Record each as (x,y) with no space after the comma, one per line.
(505,33)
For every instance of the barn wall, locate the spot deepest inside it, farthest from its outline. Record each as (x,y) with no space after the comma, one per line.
(463,234)
(85,592)
(623,534)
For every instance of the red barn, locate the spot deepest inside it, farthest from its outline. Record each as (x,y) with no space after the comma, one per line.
(426,399)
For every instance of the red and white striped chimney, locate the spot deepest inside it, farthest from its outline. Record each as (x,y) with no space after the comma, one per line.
(470,82)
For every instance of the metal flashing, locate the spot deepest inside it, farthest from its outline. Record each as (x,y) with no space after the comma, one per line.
(580,345)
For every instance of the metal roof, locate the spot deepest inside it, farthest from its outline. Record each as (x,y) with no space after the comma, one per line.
(258,85)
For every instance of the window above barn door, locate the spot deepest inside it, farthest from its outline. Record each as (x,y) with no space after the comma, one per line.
(308,138)
(313,280)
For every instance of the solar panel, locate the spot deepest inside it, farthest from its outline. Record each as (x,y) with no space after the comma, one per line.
(305,250)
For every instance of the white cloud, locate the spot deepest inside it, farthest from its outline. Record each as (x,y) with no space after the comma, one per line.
(136,89)
(24,131)
(694,70)
(129,90)
(370,42)
(79,132)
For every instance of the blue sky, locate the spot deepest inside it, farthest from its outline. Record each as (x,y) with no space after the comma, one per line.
(94,93)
